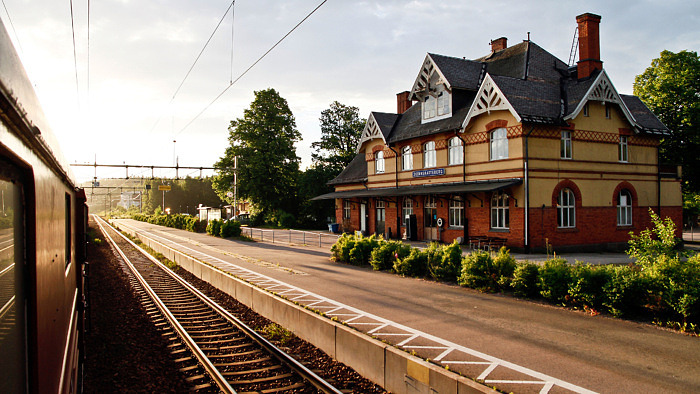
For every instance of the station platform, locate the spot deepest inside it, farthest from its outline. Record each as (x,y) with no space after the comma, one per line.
(532,341)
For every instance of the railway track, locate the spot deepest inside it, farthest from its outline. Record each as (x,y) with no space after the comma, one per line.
(216,351)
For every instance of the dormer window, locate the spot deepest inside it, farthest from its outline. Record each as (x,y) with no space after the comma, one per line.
(429,107)
(437,103)
(443,104)
(379,166)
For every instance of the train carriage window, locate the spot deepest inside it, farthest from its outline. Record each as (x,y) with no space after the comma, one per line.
(12,332)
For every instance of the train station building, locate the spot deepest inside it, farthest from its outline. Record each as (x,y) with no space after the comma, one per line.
(514,148)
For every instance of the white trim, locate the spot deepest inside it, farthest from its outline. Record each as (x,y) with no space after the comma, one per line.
(423,79)
(370,132)
(603,90)
(69,341)
(489,98)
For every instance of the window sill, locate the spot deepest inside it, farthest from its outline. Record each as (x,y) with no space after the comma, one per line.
(455,227)
(625,227)
(499,230)
(567,230)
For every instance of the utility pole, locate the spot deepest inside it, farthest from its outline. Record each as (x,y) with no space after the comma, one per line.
(235,187)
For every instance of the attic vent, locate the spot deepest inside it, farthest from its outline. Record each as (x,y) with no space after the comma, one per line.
(603,91)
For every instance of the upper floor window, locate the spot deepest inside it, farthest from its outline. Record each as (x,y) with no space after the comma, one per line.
(456,212)
(624,208)
(456,153)
(406,158)
(499,144)
(406,209)
(379,162)
(443,104)
(429,107)
(607,112)
(566,209)
(622,151)
(500,216)
(565,144)
(585,109)
(429,157)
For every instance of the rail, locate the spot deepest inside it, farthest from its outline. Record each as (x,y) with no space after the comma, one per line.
(290,236)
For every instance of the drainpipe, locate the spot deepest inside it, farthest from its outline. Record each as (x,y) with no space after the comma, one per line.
(398,210)
(658,181)
(527,192)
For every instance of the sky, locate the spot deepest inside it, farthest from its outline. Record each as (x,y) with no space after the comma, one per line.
(122,106)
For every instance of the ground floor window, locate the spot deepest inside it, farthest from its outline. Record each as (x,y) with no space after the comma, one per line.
(456,214)
(406,210)
(347,208)
(566,209)
(430,212)
(500,216)
(624,208)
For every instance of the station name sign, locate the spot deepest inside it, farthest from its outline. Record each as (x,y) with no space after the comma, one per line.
(431,172)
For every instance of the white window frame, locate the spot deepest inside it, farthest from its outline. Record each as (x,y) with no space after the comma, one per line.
(429,155)
(624,208)
(456,212)
(565,150)
(566,208)
(347,209)
(443,104)
(406,158)
(429,107)
(500,214)
(499,144)
(608,112)
(585,110)
(623,149)
(406,209)
(379,163)
(455,151)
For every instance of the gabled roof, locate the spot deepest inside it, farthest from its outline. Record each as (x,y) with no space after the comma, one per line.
(489,98)
(379,125)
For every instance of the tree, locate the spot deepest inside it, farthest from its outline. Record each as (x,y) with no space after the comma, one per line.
(341,129)
(268,167)
(671,89)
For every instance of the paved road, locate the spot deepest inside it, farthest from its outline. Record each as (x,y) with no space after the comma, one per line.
(597,353)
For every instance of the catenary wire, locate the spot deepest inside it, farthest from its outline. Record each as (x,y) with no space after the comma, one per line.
(9,18)
(75,55)
(249,68)
(195,61)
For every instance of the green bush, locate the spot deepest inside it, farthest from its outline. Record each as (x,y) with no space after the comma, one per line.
(478,271)
(385,255)
(340,251)
(555,275)
(230,228)
(626,292)
(586,287)
(676,285)
(525,280)
(362,251)
(214,227)
(652,243)
(284,219)
(504,266)
(415,264)
(445,262)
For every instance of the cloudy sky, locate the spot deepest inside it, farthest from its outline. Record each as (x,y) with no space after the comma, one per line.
(360,53)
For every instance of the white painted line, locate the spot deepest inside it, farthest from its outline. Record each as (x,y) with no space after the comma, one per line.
(466,362)
(443,354)
(414,336)
(487,371)
(546,388)
(514,381)
(377,328)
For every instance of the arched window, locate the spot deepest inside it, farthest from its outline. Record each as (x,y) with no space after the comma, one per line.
(456,212)
(456,153)
(379,162)
(406,158)
(499,144)
(500,217)
(566,209)
(624,208)
(406,209)
(429,154)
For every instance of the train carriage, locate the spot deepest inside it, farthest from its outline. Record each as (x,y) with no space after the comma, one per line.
(42,244)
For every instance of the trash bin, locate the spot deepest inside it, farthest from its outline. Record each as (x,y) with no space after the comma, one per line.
(333,227)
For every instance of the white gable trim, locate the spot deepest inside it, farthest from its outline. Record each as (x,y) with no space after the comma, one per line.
(423,79)
(603,90)
(370,132)
(489,98)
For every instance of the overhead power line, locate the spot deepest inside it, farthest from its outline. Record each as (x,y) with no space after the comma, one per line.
(75,56)
(251,66)
(9,18)
(195,62)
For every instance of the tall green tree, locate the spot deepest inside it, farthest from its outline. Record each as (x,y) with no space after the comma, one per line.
(670,87)
(268,167)
(341,129)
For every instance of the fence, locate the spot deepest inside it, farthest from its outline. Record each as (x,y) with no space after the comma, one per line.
(290,236)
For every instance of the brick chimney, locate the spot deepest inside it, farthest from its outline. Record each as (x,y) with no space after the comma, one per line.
(499,44)
(588,45)
(402,102)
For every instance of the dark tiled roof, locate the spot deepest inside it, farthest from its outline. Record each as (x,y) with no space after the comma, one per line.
(644,117)
(385,122)
(355,172)
(575,92)
(532,99)
(409,125)
(460,73)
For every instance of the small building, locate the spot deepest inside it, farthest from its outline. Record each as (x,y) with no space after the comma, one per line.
(208,213)
(515,147)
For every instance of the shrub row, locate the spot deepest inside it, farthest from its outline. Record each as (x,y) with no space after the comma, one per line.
(224,228)
(182,222)
(669,289)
